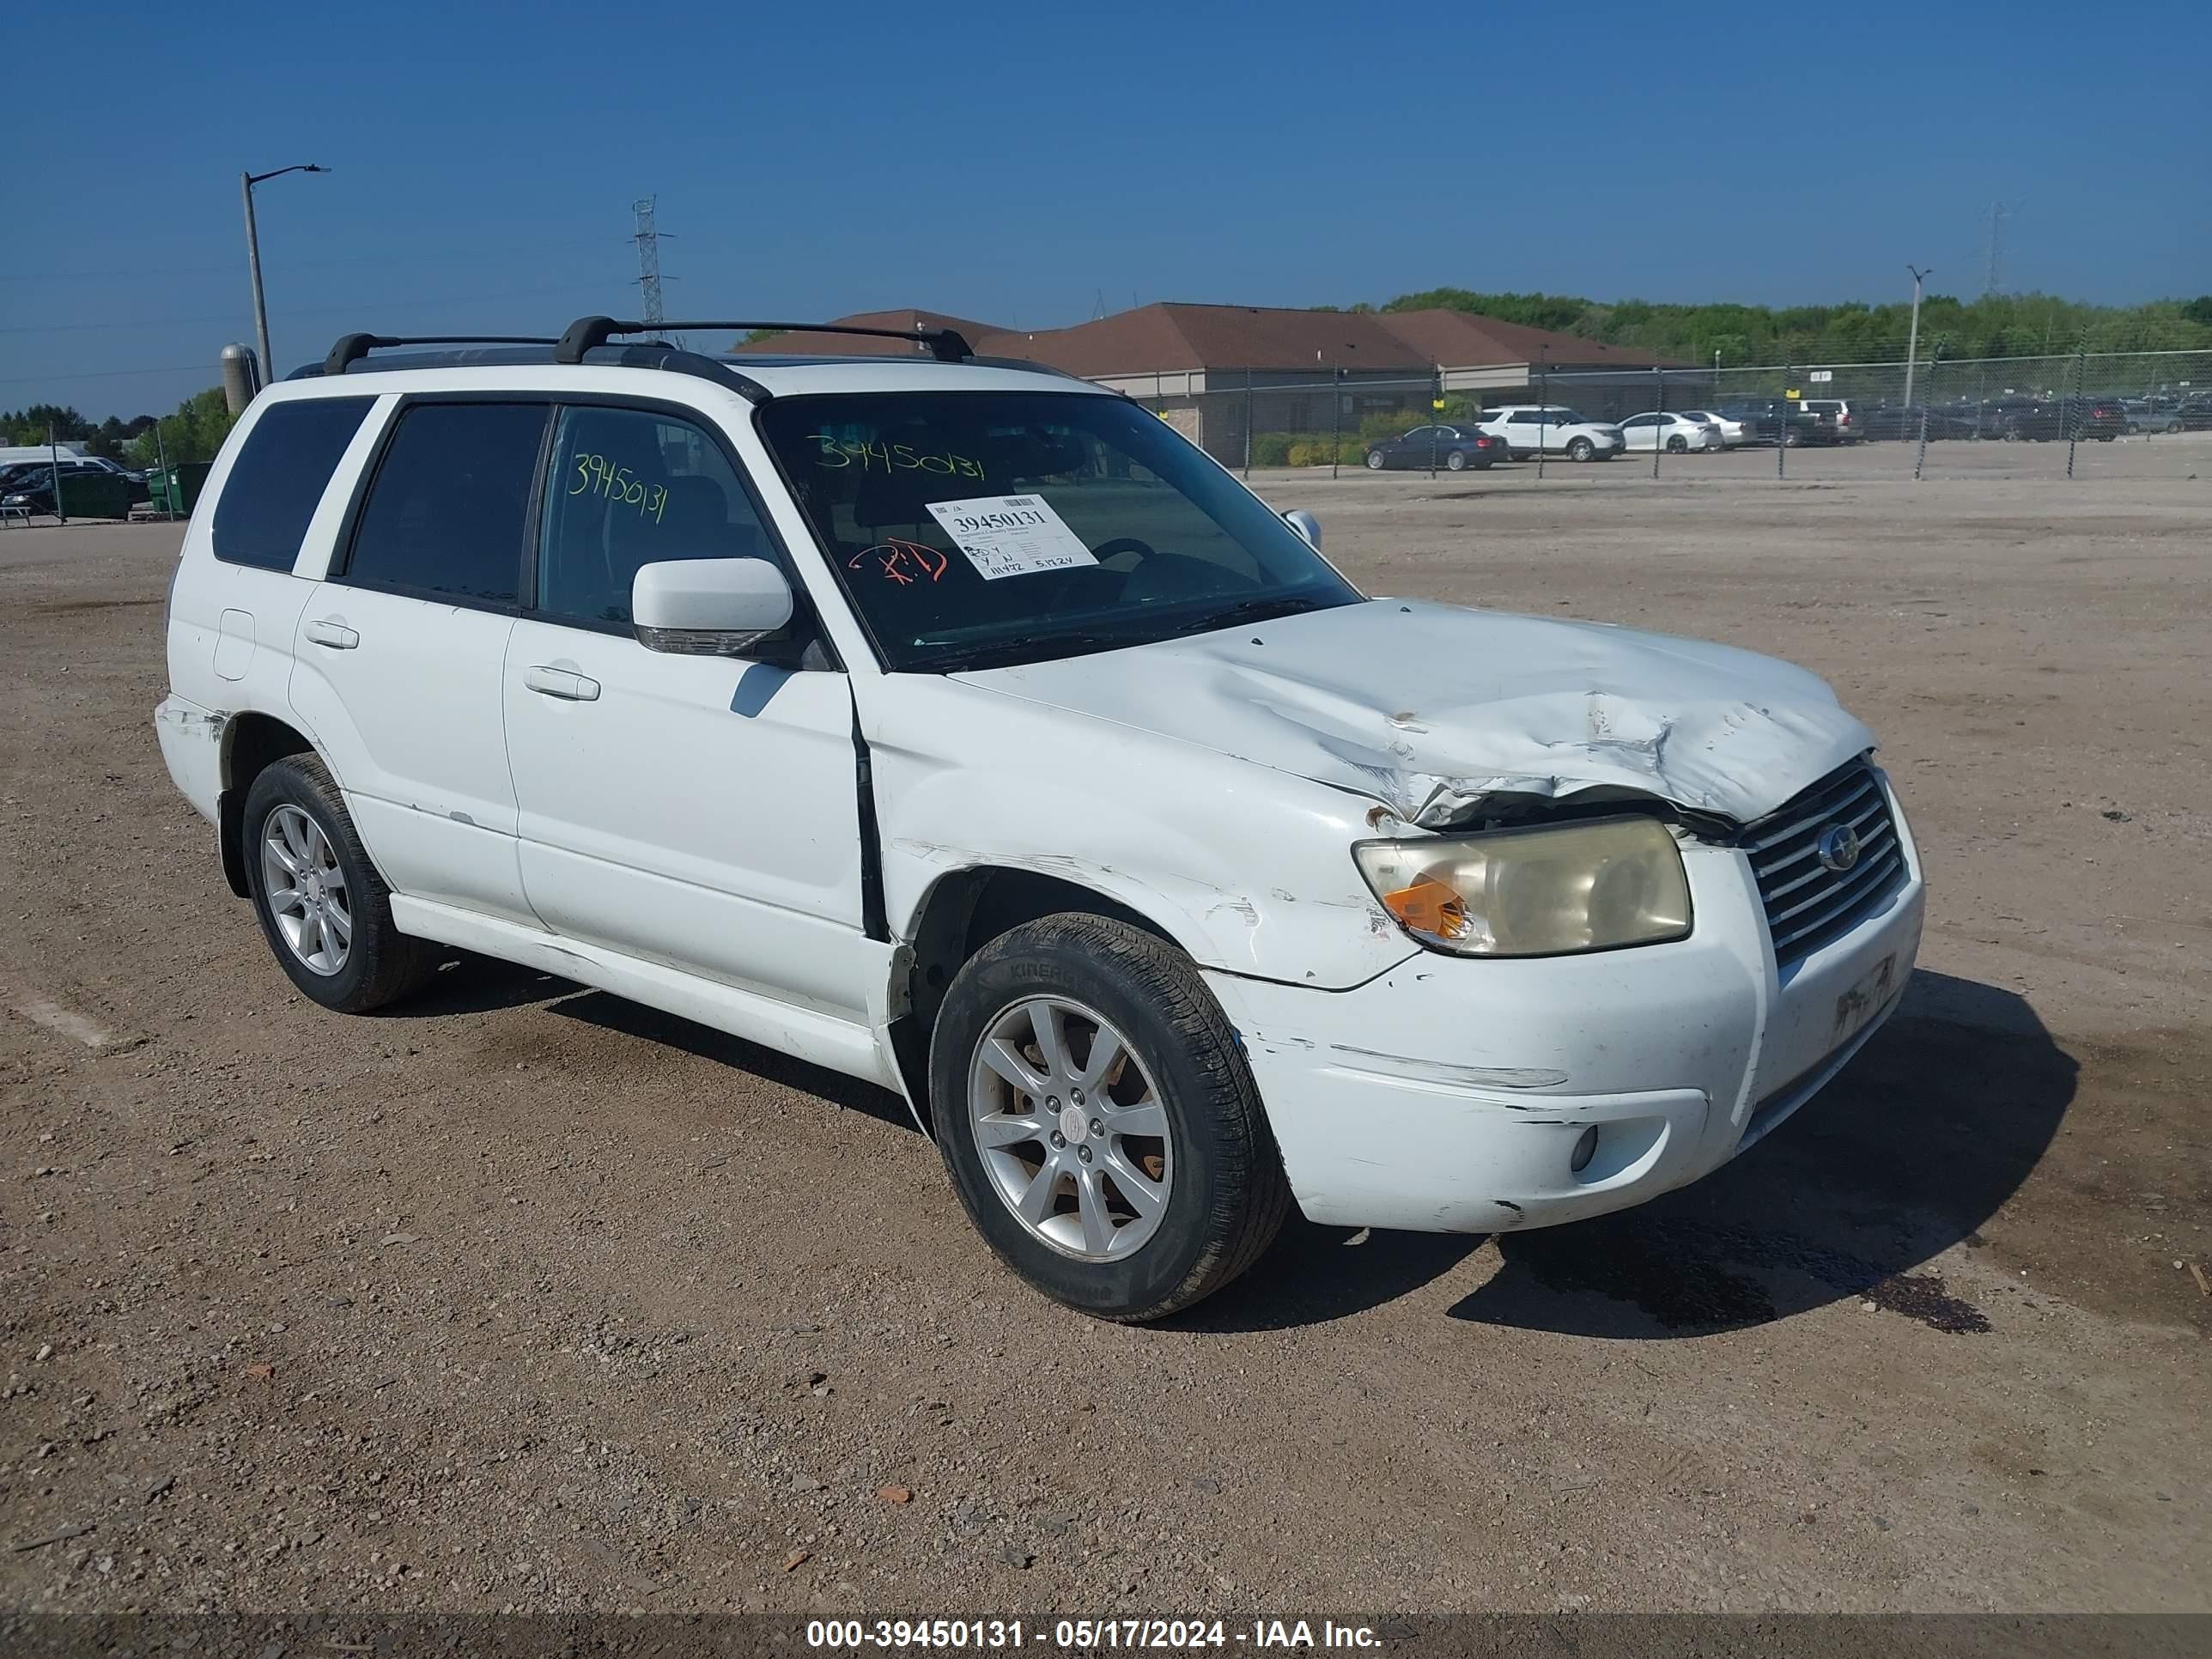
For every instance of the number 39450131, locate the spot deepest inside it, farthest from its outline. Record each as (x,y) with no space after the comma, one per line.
(596,475)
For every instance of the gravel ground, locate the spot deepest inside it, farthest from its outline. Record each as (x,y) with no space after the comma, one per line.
(527,1298)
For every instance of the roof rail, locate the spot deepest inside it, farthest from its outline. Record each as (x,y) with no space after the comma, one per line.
(352,347)
(947,345)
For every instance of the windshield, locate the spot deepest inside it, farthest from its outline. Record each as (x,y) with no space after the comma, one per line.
(979,529)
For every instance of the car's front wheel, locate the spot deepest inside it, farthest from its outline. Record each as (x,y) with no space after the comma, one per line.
(326,913)
(1099,1121)
(1374,460)
(1580,449)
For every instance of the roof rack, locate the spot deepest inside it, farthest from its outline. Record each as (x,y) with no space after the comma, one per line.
(947,345)
(352,347)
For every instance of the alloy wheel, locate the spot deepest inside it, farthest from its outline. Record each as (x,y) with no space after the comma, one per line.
(1070,1129)
(306,890)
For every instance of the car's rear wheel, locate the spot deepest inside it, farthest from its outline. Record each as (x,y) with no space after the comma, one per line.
(1100,1124)
(1456,461)
(1678,445)
(326,912)
(1374,460)
(1581,449)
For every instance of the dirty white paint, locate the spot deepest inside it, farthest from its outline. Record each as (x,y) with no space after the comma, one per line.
(1438,712)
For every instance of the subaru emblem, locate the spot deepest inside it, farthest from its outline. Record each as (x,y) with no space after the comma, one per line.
(1838,848)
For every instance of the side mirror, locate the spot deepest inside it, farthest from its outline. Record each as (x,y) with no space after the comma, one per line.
(707,607)
(1306,525)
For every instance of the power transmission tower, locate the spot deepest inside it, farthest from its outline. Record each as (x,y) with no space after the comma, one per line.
(648,262)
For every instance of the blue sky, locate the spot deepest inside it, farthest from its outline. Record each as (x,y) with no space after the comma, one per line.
(1017,163)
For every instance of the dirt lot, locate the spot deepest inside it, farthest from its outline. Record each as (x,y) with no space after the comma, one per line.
(525,1297)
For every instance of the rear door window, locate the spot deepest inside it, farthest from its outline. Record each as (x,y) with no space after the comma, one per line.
(448,517)
(279,476)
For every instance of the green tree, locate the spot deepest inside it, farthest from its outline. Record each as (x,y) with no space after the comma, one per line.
(33,425)
(194,433)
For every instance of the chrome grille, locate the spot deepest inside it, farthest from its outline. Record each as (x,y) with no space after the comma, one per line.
(1807,904)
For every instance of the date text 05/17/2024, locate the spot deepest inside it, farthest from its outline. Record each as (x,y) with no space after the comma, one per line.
(1171,1635)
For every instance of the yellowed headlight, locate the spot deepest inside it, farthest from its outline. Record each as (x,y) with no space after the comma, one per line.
(1552,891)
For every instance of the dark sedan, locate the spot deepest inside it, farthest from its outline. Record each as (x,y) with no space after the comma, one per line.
(1455,448)
(2054,420)
(1904,421)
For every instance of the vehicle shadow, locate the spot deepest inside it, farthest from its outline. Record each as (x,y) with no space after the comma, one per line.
(466,983)
(1929,1131)
(1314,1274)
(613,1013)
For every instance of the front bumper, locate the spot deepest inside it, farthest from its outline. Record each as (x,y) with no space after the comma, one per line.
(1448,1094)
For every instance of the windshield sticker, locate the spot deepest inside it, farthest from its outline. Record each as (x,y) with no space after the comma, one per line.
(1011,535)
(601,477)
(836,453)
(902,562)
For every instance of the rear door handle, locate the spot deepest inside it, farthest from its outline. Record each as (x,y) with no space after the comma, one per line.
(336,636)
(561,683)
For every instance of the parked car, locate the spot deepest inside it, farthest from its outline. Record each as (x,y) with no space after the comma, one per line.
(1850,428)
(2161,413)
(1733,433)
(1785,420)
(1553,429)
(1679,434)
(2048,420)
(1453,447)
(868,710)
(29,485)
(1904,421)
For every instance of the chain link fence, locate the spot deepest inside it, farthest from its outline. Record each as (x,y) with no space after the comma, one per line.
(2084,414)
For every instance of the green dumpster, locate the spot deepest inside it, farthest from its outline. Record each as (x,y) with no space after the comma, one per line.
(95,496)
(178,490)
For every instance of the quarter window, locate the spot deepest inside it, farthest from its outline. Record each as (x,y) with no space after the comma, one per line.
(279,476)
(447,514)
(631,487)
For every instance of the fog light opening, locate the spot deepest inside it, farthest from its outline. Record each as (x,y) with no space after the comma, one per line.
(1585,1150)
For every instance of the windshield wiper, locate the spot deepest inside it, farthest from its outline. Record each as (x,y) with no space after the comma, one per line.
(996,653)
(1261,608)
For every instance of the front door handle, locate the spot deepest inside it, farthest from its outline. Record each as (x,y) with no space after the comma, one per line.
(335,635)
(564,682)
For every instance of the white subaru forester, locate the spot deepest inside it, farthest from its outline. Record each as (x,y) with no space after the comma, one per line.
(960,726)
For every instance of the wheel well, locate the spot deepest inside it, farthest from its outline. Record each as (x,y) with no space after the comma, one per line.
(250,742)
(962,913)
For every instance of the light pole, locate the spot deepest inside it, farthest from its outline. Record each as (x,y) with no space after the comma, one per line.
(1912,342)
(245,184)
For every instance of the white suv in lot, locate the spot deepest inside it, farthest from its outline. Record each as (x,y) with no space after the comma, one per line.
(960,726)
(1553,429)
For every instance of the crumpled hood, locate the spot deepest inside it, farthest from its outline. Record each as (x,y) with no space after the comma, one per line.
(1440,712)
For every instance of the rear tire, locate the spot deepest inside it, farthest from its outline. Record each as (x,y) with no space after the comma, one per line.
(1215,1172)
(1456,461)
(330,927)
(1678,446)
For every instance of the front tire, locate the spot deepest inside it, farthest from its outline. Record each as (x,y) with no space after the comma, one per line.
(324,911)
(1099,1122)
(1374,460)
(1580,449)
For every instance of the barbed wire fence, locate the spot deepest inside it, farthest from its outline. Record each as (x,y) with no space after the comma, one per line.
(1934,417)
